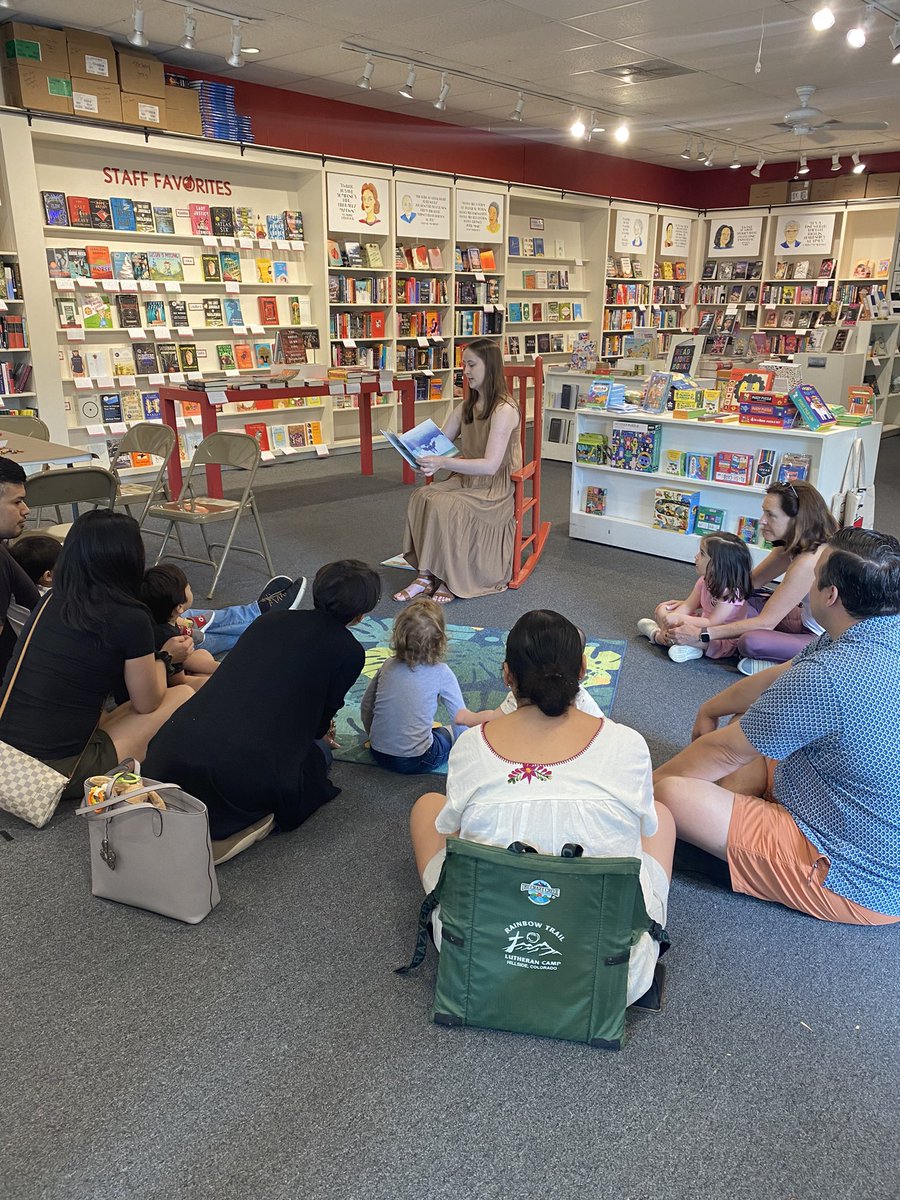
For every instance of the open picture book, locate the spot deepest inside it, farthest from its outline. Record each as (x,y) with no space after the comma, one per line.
(423,439)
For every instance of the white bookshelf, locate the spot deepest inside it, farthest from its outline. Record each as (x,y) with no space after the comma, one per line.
(628,520)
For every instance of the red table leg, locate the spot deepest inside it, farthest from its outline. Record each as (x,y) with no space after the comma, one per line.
(167,408)
(365,434)
(209,419)
(407,390)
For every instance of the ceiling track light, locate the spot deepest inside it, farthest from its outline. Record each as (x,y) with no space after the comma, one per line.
(803,169)
(708,161)
(895,45)
(578,127)
(407,89)
(835,162)
(365,80)
(441,102)
(622,133)
(190,30)
(516,114)
(856,37)
(594,127)
(858,167)
(735,161)
(757,170)
(235,58)
(688,151)
(823,19)
(701,152)
(136,37)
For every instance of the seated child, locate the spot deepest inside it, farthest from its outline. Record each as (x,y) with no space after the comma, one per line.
(584,701)
(167,593)
(724,567)
(399,705)
(36,554)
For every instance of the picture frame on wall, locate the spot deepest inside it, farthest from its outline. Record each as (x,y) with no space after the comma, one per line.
(536,223)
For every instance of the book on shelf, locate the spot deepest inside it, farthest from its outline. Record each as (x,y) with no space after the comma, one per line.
(243,356)
(101,216)
(265,272)
(143,216)
(748,530)
(212,312)
(698,466)
(122,265)
(201,219)
(489,262)
(289,346)
(424,439)
(96,311)
(733,467)
(372,254)
(99,262)
(275,226)
(131,405)
(675,510)
(262,352)
(97,363)
(293,224)
(79,210)
(335,258)
(122,211)
(187,356)
(68,312)
(709,520)
(145,358)
(229,262)
(151,406)
(765,466)
(268,310)
(794,467)
(163,219)
(435,258)
(222,220)
(167,353)
(225,355)
(232,312)
(123,360)
(863,268)
(55,209)
(354,253)
(515,246)
(154,312)
(812,408)
(595,500)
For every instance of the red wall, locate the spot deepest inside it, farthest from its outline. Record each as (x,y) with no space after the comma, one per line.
(315,125)
(727,188)
(339,130)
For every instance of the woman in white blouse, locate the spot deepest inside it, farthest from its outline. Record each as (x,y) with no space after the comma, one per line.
(548,774)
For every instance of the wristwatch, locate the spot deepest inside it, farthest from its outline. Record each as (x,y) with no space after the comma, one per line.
(704,636)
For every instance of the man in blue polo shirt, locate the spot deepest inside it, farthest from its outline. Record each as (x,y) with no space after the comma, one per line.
(801,795)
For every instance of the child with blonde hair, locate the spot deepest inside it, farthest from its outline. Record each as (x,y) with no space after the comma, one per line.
(400,703)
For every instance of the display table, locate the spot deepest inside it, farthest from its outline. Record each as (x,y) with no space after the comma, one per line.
(32,454)
(169,397)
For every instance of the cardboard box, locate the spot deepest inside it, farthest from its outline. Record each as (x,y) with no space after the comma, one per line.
(147,111)
(35,46)
(28,86)
(769,193)
(839,187)
(881,186)
(183,111)
(96,100)
(141,74)
(91,56)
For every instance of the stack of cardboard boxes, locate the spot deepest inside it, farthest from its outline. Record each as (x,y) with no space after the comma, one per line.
(74,72)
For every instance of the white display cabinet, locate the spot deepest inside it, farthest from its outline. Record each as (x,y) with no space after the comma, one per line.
(628,520)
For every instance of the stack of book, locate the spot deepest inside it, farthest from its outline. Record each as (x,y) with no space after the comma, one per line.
(218,116)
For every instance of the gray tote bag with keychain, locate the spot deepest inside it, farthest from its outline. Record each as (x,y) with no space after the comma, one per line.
(150,857)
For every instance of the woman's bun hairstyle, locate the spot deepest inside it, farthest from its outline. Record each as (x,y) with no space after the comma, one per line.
(544,653)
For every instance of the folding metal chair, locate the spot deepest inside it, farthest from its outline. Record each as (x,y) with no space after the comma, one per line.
(147,437)
(25,426)
(237,450)
(87,485)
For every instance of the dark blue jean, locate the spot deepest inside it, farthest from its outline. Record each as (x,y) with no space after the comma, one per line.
(435,756)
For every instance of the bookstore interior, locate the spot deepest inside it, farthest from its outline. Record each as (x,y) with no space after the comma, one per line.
(697,352)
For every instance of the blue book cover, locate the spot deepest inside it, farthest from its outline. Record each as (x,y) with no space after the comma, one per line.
(111,406)
(515,246)
(275,226)
(231,309)
(122,210)
(123,267)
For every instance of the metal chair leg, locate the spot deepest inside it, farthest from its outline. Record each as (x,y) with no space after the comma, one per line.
(262,536)
(225,549)
(165,541)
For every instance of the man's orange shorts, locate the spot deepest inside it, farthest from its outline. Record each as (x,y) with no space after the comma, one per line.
(771,859)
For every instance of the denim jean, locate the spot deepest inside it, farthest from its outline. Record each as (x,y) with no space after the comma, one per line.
(228,625)
(435,756)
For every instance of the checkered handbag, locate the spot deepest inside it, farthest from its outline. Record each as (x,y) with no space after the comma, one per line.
(29,789)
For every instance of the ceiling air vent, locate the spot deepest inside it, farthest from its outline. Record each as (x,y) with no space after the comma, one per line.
(648,71)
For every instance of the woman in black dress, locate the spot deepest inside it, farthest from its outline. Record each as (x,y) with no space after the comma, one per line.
(254,740)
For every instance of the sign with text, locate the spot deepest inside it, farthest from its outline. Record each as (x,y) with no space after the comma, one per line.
(479,217)
(357,204)
(804,233)
(674,235)
(166,181)
(735,236)
(631,232)
(422,211)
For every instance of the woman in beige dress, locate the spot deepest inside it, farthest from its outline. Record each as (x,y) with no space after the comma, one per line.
(460,533)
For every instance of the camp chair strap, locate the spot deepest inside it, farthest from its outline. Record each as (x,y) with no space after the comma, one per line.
(429,904)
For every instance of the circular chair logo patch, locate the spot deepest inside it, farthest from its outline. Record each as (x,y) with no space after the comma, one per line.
(540,892)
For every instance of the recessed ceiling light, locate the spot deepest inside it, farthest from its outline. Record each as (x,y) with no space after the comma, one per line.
(622,133)
(823,19)
(856,37)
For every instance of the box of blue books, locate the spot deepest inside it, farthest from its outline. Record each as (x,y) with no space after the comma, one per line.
(635,446)
(675,510)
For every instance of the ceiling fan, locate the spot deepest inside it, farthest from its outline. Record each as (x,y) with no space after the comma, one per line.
(809,122)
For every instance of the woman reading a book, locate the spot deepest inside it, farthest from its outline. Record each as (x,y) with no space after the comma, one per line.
(460,533)
(796,520)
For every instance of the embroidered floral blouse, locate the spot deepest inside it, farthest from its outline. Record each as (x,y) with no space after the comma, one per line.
(602,798)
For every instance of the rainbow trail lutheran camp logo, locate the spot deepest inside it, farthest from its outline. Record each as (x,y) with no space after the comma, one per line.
(539,891)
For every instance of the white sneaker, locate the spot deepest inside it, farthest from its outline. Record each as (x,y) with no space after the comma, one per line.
(647,627)
(684,653)
(753,666)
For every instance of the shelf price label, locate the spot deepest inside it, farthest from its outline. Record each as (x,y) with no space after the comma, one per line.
(232,288)
(208,240)
(161,333)
(156,380)
(96,430)
(172,285)
(65,285)
(138,335)
(245,243)
(75,335)
(111,285)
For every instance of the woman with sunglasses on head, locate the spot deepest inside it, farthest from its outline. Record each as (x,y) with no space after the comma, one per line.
(796,520)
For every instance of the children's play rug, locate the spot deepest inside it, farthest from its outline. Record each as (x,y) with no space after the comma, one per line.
(476,657)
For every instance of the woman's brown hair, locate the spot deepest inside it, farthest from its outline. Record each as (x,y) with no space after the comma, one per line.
(420,635)
(812,522)
(494,389)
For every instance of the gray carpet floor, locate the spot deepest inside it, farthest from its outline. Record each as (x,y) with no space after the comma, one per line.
(271,1053)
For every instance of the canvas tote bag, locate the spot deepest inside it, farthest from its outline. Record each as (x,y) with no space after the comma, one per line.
(853,507)
(149,857)
(29,789)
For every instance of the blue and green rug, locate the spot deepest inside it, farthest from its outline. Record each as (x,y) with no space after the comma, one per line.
(476,656)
